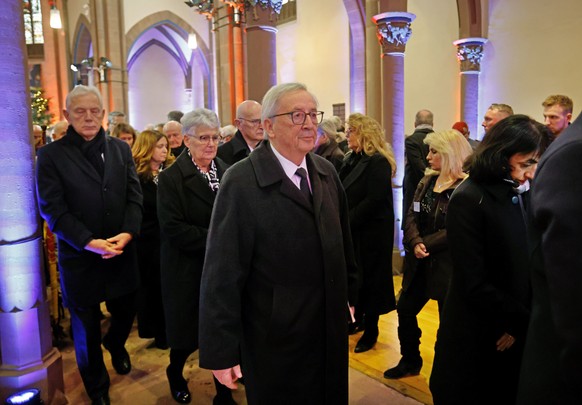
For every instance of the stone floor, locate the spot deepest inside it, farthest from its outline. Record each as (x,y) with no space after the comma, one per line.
(147,384)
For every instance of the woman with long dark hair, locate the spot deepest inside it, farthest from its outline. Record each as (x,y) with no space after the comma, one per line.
(486,312)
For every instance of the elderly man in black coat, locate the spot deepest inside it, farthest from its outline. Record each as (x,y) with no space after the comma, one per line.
(90,196)
(415,151)
(248,135)
(550,371)
(279,266)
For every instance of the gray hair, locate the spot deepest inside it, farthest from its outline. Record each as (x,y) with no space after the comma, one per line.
(201,117)
(81,90)
(276,93)
(228,130)
(113,114)
(328,126)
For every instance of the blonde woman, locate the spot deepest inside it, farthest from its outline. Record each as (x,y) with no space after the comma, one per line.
(367,178)
(428,268)
(151,156)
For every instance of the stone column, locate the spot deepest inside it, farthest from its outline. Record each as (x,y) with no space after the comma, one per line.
(373,64)
(470,54)
(261,51)
(27,358)
(393,33)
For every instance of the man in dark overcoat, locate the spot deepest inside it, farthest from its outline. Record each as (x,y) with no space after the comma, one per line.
(415,151)
(551,372)
(279,266)
(248,135)
(90,196)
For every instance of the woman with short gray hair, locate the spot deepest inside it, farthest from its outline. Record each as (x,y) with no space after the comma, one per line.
(186,193)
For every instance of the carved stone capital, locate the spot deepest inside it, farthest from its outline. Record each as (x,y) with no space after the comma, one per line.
(470,54)
(393,31)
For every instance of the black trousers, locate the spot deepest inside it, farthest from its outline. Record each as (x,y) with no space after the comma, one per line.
(409,305)
(86,325)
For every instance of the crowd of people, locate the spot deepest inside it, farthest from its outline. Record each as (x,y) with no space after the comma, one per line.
(265,243)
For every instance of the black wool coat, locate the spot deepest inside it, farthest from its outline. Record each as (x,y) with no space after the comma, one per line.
(276,282)
(438,264)
(551,372)
(415,151)
(185,202)
(150,316)
(79,205)
(489,295)
(235,150)
(368,186)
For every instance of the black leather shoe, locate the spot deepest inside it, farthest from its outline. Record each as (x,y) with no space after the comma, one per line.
(178,387)
(355,327)
(119,358)
(366,342)
(404,368)
(102,400)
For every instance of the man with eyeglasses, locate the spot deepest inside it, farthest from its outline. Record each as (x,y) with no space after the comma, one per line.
(248,135)
(279,266)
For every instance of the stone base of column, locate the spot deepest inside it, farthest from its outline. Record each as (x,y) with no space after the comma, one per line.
(46,376)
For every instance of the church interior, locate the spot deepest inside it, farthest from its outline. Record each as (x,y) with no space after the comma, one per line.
(383,58)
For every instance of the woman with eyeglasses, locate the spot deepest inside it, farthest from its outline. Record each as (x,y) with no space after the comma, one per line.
(484,320)
(367,178)
(151,155)
(186,193)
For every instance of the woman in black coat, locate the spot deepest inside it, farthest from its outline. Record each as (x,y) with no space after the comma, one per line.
(185,200)
(367,178)
(484,320)
(428,266)
(151,155)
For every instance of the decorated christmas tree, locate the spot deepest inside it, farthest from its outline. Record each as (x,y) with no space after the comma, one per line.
(39,106)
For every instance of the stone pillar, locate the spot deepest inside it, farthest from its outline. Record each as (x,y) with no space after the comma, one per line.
(393,34)
(261,51)
(470,54)
(110,43)
(373,64)
(27,358)
(224,58)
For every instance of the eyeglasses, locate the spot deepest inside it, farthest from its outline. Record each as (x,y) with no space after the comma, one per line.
(254,123)
(299,117)
(206,138)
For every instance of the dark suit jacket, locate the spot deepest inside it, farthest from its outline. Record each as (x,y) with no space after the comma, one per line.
(415,151)
(185,203)
(489,295)
(331,152)
(368,186)
(275,282)
(235,150)
(79,205)
(551,372)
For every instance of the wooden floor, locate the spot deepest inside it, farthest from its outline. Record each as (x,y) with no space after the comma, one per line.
(147,383)
(386,353)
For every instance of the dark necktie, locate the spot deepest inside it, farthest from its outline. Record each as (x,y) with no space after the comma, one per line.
(304,185)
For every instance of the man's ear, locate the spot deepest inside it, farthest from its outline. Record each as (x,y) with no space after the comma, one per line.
(569,117)
(268,127)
